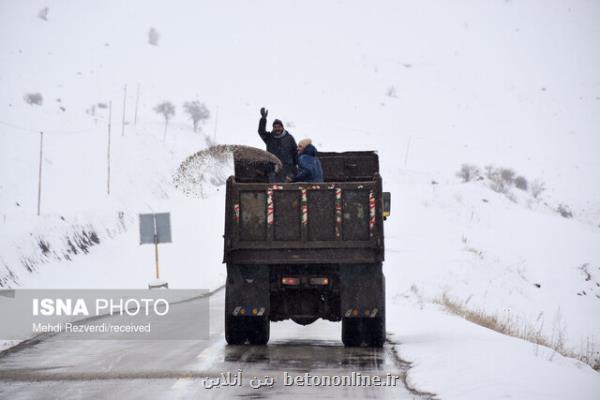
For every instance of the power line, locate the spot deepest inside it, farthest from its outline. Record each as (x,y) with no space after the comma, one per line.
(34,131)
(18,127)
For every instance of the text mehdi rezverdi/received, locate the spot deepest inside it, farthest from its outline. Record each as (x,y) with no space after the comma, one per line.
(86,328)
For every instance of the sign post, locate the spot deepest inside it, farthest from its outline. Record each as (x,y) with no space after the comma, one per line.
(155,229)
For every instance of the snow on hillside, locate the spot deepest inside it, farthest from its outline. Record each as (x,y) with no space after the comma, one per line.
(513,84)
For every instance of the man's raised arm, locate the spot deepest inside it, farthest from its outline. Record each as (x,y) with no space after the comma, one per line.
(262,125)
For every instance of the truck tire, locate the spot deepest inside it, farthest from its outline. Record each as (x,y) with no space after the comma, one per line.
(352,332)
(375,327)
(235,327)
(374,332)
(235,330)
(259,331)
(247,288)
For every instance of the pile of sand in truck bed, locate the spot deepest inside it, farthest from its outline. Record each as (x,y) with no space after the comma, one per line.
(208,169)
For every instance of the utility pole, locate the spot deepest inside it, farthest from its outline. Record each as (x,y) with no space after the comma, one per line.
(156,264)
(165,132)
(124,106)
(407,150)
(40,174)
(108,152)
(216,122)
(137,99)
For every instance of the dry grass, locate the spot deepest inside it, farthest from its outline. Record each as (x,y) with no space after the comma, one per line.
(588,353)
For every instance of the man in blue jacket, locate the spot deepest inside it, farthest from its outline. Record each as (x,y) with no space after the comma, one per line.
(309,166)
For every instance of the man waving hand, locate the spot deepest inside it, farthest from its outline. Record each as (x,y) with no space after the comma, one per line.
(280,143)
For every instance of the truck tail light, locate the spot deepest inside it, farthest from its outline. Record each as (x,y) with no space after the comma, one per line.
(319,281)
(286,280)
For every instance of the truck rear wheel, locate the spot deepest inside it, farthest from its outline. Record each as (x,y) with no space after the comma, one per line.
(374,329)
(235,330)
(371,331)
(258,330)
(352,332)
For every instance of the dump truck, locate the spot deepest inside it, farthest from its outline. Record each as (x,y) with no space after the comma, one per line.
(304,251)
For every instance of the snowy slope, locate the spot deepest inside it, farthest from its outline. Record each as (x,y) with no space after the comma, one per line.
(430,86)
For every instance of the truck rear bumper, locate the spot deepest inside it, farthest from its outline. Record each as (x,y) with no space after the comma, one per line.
(304,256)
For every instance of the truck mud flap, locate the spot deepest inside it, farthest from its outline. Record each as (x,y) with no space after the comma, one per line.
(247,291)
(362,290)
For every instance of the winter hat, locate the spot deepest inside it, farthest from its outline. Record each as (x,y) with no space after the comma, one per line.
(304,142)
(277,121)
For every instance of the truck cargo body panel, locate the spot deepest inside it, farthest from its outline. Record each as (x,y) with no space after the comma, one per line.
(275,223)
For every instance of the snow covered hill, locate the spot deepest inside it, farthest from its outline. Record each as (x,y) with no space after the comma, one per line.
(509,84)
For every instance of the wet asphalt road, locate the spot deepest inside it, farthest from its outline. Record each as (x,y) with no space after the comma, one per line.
(58,368)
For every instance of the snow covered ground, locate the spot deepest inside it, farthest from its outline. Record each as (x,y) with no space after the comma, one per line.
(459,360)
(513,84)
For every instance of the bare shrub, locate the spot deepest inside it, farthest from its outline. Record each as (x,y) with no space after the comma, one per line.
(197,111)
(590,354)
(511,196)
(559,335)
(584,269)
(521,183)
(507,175)
(501,179)
(34,99)
(153,37)
(468,172)
(537,188)
(497,184)
(43,14)
(392,92)
(565,211)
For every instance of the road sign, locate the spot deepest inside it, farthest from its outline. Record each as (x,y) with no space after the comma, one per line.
(155,228)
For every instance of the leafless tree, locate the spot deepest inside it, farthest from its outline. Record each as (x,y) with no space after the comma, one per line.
(468,172)
(167,110)
(197,111)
